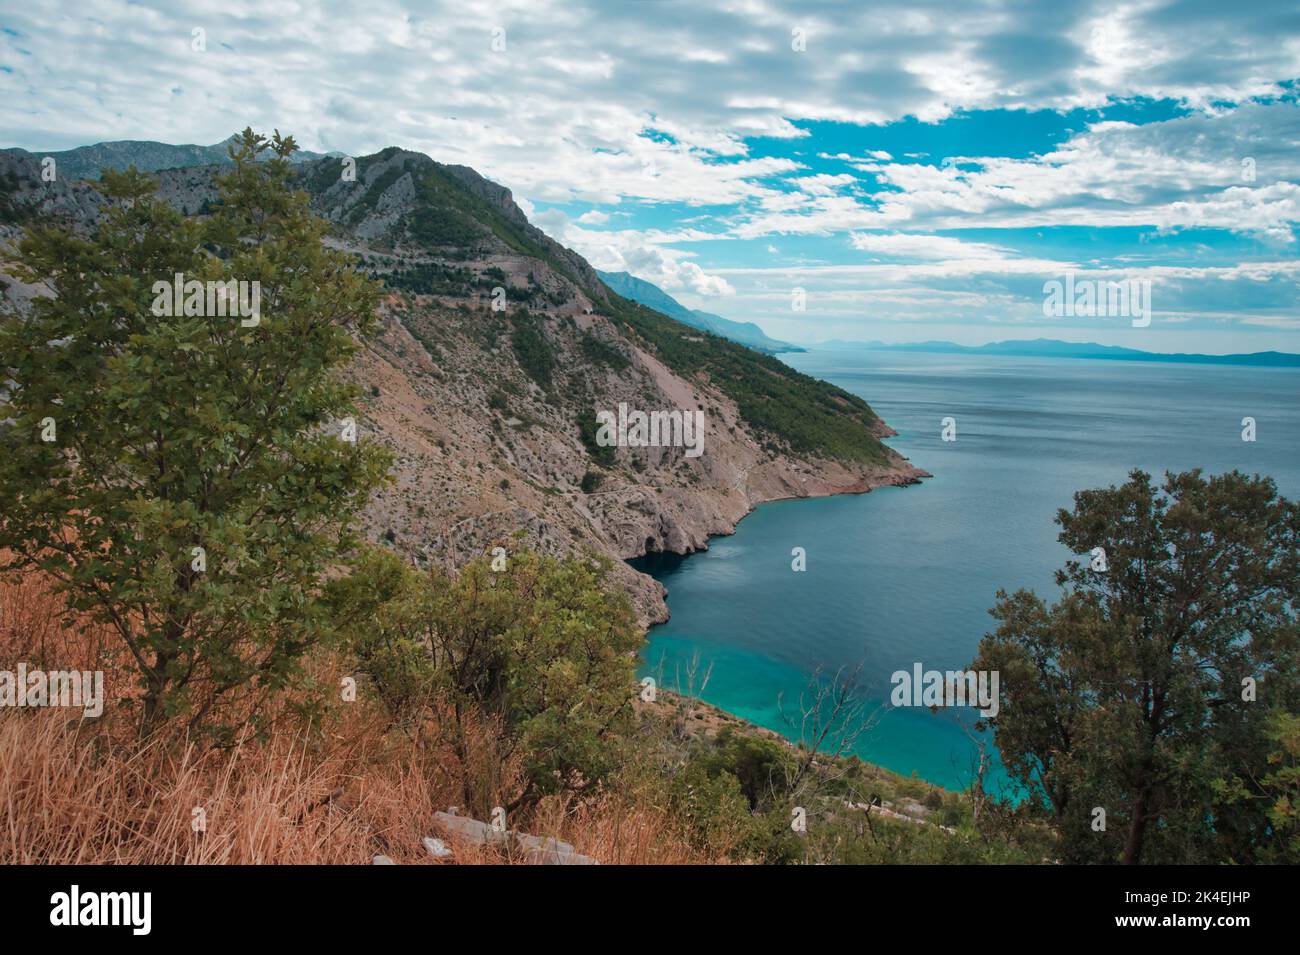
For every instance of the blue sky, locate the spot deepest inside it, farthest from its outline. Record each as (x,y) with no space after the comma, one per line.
(919,171)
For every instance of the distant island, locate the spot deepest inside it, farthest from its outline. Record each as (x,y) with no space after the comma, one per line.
(1051,348)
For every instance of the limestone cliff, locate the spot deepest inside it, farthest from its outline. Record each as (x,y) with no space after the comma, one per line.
(498,347)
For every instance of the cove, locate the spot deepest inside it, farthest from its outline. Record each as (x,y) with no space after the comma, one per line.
(903,576)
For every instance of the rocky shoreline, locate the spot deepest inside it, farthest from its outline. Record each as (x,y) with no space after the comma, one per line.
(902,477)
(488,452)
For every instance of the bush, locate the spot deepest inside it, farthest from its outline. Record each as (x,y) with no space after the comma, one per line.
(601,454)
(762,766)
(540,646)
(602,353)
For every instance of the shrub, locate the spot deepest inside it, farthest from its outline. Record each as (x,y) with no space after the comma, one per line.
(540,646)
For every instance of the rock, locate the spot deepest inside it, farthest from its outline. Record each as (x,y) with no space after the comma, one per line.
(535,850)
(538,850)
(437,848)
(470,830)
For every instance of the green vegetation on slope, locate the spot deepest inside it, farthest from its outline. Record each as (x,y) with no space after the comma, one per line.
(447,213)
(531,348)
(538,645)
(794,410)
(602,353)
(10,212)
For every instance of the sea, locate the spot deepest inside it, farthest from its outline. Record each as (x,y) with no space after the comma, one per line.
(906,576)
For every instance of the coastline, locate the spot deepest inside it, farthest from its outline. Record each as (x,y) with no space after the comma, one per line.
(904,474)
(718,715)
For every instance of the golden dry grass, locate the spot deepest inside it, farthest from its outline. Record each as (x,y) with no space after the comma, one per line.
(78,791)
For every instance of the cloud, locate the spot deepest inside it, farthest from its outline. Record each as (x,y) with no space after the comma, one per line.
(673,274)
(565,108)
(1233,169)
(931,299)
(646,255)
(900,245)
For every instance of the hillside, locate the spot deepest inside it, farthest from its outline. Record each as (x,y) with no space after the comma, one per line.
(652,296)
(491,414)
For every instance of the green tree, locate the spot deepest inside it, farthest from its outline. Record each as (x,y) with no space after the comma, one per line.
(1282,788)
(538,645)
(383,610)
(183,476)
(1133,692)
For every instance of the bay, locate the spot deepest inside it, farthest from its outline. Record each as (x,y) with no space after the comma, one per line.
(906,575)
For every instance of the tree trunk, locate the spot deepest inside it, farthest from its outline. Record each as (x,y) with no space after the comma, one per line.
(1137,828)
(157,679)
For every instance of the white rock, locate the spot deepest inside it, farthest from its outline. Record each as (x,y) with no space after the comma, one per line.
(437,848)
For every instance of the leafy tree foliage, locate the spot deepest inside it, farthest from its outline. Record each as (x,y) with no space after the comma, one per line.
(1158,688)
(182,476)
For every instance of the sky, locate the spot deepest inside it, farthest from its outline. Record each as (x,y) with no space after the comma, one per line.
(872,171)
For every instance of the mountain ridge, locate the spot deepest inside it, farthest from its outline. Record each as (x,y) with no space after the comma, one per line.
(652,296)
(490,412)
(89,162)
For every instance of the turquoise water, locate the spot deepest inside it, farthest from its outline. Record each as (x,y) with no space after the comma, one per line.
(906,575)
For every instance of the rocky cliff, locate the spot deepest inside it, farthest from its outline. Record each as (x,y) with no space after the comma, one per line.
(497,349)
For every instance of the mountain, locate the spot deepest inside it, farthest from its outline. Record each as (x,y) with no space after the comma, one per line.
(1050,348)
(652,296)
(491,414)
(87,162)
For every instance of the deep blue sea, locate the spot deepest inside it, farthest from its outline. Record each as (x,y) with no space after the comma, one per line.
(907,575)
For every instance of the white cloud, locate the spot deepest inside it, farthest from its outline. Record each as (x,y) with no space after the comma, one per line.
(564,111)
(931,298)
(677,274)
(901,245)
(646,254)
(1182,173)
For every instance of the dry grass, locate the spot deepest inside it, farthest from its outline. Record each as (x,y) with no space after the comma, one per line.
(78,796)
(86,792)
(619,830)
